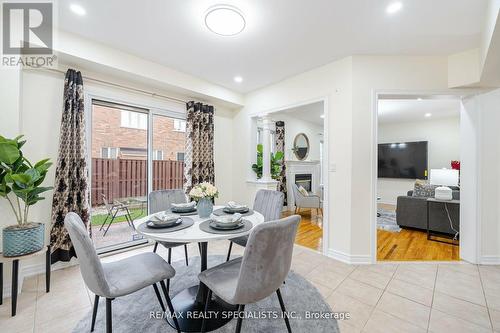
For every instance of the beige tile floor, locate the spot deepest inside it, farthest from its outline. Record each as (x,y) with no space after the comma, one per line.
(402,297)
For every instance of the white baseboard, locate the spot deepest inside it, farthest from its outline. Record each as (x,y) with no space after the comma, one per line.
(349,259)
(490,260)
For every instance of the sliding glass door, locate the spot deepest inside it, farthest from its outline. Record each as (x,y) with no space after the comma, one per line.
(133,151)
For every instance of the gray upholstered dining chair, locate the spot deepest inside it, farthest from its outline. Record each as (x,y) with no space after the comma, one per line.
(119,278)
(303,201)
(260,272)
(160,201)
(267,202)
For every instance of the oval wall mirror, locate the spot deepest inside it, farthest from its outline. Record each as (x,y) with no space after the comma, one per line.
(301,146)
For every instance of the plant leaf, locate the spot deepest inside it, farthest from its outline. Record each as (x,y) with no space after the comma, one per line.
(9,153)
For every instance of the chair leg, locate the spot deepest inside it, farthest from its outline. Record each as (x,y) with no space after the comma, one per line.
(94,313)
(229,251)
(104,223)
(109,317)
(241,308)
(157,292)
(109,225)
(170,306)
(155,247)
(186,254)
(204,321)
(282,305)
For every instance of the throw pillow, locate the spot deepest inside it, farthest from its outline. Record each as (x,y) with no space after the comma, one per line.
(423,189)
(303,191)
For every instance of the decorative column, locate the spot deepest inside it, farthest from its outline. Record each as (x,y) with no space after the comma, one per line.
(267,125)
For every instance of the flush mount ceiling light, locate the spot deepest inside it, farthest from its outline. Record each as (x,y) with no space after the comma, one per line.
(224,20)
(428,115)
(77,9)
(394,7)
(238,79)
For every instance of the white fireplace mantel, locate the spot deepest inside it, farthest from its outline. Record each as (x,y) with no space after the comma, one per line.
(301,167)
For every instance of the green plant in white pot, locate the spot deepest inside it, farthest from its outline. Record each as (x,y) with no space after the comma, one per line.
(20,185)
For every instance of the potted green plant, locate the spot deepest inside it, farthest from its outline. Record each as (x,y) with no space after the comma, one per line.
(276,163)
(20,185)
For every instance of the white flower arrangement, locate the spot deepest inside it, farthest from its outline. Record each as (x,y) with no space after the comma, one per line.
(204,190)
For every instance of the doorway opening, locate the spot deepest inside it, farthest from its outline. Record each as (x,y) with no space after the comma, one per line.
(305,158)
(417,191)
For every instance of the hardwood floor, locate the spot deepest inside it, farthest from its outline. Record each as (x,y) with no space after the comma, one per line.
(407,245)
(310,233)
(411,245)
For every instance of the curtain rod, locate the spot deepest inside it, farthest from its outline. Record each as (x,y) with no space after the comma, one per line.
(119,86)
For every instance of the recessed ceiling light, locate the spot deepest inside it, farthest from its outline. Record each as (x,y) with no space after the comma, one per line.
(428,115)
(238,79)
(322,116)
(225,20)
(394,7)
(77,9)
(419,99)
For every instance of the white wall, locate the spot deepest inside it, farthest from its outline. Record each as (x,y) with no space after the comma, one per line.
(349,86)
(294,126)
(333,82)
(443,136)
(488,176)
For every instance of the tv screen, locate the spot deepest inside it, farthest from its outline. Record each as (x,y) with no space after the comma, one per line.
(402,160)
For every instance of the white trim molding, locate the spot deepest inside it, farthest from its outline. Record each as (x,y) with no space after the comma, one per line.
(489,260)
(350,259)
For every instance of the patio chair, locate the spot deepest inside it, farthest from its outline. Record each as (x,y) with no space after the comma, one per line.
(114,211)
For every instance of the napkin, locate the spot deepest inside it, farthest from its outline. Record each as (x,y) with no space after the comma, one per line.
(234,205)
(184,205)
(226,218)
(162,217)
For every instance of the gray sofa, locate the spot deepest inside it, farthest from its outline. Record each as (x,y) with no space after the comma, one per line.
(411,212)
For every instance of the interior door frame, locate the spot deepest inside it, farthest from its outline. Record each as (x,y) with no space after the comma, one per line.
(326,159)
(154,106)
(459,95)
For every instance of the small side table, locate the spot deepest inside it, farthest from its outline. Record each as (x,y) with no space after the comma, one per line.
(431,233)
(15,274)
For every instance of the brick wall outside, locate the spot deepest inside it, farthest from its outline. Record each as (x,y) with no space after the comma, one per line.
(107,132)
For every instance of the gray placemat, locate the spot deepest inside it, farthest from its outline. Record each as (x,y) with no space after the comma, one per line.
(186,223)
(221,212)
(205,226)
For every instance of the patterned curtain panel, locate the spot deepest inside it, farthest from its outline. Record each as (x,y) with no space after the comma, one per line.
(199,154)
(71,184)
(280,146)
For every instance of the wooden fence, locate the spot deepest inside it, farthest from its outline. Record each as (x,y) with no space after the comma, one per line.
(124,178)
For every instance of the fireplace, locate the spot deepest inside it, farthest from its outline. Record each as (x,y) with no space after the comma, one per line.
(304,180)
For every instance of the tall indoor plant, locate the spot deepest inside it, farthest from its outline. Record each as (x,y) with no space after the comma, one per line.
(276,163)
(20,186)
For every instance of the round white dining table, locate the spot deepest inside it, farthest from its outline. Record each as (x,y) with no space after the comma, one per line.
(189,304)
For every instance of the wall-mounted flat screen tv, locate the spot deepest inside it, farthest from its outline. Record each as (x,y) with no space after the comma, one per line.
(406,160)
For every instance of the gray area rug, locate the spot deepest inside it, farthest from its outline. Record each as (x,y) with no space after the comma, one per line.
(387,221)
(132,313)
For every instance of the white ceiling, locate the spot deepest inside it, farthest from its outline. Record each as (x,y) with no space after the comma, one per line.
(310,112)
(282,37)
(407,110)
